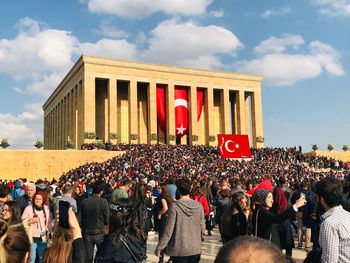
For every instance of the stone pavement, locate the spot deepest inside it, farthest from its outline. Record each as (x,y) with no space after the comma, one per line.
(210,248)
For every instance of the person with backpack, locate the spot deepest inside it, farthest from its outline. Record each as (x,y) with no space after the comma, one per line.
(17,191)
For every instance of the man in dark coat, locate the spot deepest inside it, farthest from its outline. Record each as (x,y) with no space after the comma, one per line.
(94,220)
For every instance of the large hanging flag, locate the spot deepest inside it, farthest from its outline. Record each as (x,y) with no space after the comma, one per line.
(181,111)
(234,146)
(161,111)
(200,95)
(181,108)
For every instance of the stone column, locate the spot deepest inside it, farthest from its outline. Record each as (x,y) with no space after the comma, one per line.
(54,136)
(193,123)
(225,100)
(209,106)
(80,115)
(241,112)
(170,114)
(89,107)
(152,111)
(59,125)
(74,116)
(133,118)
(257,120)
(112,110)
(63,124)
(247,113)
(66,115)
(71,115)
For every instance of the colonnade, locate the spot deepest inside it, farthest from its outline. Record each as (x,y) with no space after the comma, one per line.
(117,101)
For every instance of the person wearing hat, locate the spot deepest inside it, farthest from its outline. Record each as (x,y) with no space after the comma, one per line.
(263,218)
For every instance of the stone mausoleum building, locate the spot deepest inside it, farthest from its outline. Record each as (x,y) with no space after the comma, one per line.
(135,102)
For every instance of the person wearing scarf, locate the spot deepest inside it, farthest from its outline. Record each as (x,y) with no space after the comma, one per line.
(263,218)
(39,218)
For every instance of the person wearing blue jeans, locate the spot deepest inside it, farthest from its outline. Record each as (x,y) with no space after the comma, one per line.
(37,250)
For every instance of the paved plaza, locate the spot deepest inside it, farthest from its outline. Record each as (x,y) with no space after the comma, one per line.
(210,248)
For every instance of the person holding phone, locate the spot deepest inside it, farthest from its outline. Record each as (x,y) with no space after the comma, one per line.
(38,216)
(67,245)
(263,218)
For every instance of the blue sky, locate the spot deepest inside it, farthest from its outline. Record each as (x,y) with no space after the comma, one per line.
(301,48)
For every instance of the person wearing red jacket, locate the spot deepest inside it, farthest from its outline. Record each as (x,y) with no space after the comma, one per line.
(201,198)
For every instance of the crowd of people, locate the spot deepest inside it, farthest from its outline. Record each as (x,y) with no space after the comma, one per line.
(103,212)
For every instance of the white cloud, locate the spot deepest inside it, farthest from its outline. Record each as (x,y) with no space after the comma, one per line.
(188,44)
(22,130)
(121,49)
(276,45)
(107,29)
(143,8)
(36,51)
(280,68)
(44,85)
(42,56)
(333,7)
(276,12)
(217,13)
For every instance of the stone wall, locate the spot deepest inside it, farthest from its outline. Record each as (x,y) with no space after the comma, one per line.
(344,156)
(35,164)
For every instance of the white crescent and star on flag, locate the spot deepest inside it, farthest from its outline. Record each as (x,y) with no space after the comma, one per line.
(184,103)
(228,145)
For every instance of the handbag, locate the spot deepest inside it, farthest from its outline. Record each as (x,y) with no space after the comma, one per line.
(137,260)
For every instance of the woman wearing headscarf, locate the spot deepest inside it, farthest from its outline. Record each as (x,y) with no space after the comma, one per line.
(263,218)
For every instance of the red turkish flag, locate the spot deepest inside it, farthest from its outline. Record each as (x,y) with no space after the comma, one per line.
(234,146)
(181,111)
(181,108)
(265,184)
(161,112)
(200,95)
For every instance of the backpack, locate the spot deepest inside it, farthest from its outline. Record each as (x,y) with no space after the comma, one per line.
(15,193)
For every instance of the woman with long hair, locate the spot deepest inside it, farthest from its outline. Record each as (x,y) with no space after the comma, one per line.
(164,201)
(234,220)
(11,213)
(67,245)
(126,241)
(39,218)
(198,195)
(139,198)
(14,243)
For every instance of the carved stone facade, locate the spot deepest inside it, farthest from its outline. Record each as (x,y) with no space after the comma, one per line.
(116,101)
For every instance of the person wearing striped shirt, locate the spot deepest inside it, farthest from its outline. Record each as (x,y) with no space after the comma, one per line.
(334,235)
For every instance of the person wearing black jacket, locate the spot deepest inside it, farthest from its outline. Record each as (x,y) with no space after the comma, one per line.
(263,218)
(26,200)
(94,220)
(126,242)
